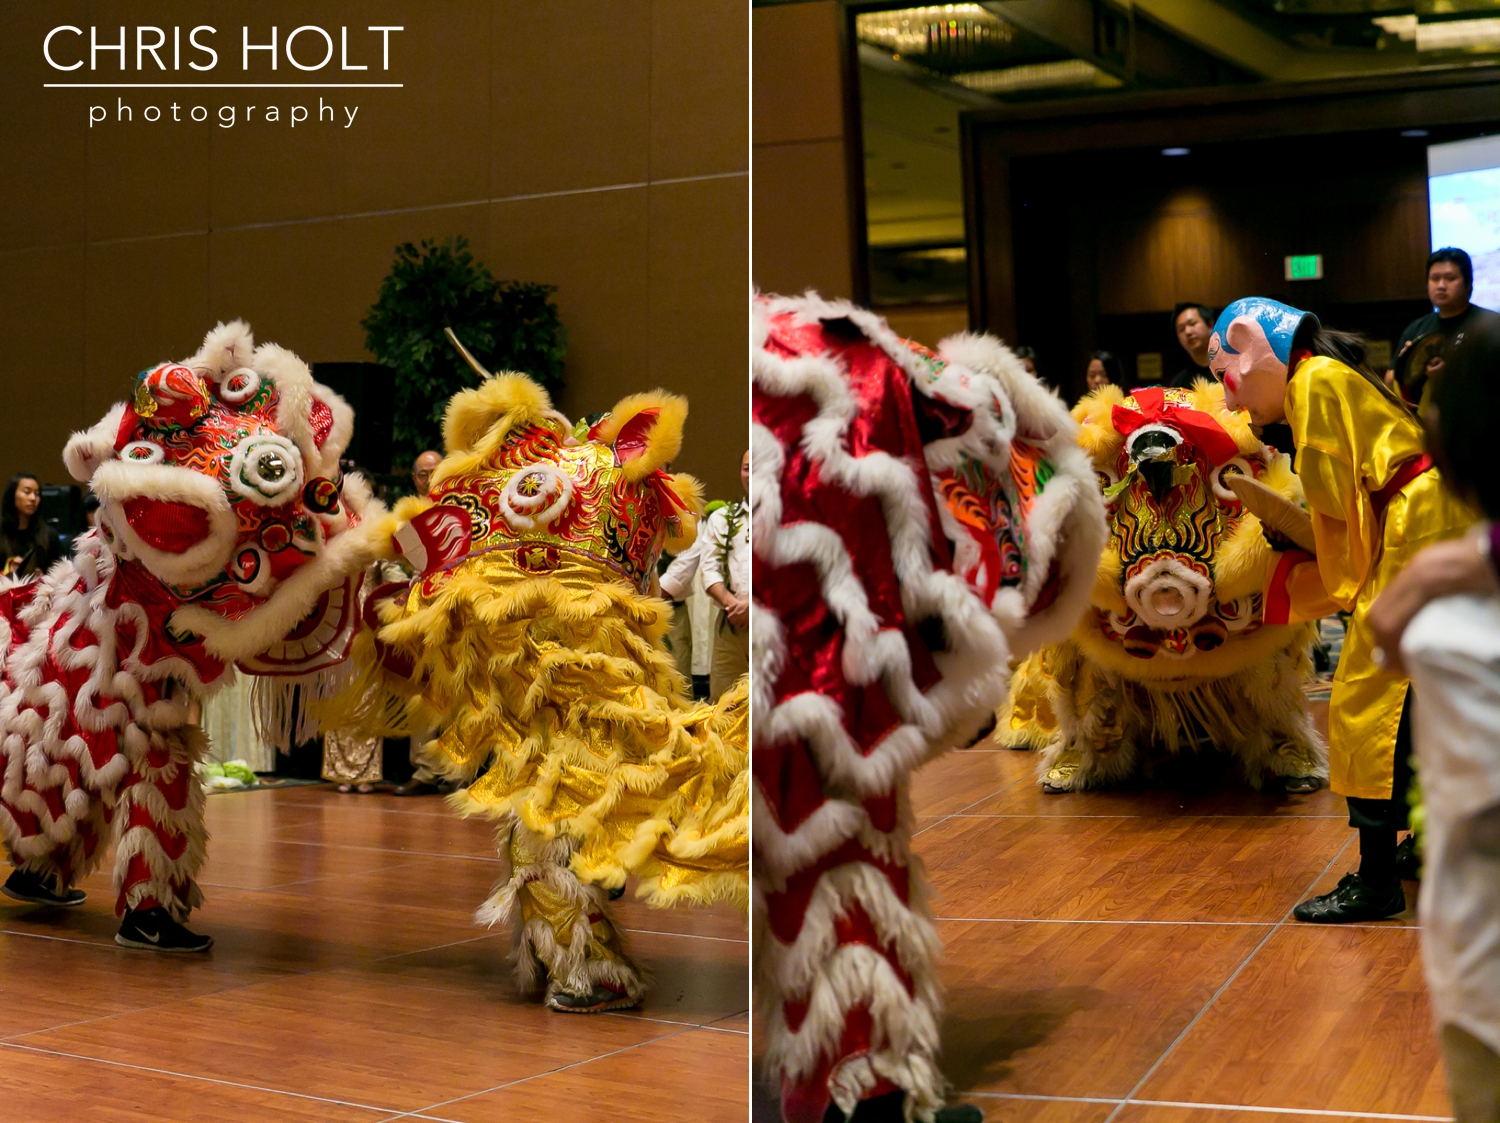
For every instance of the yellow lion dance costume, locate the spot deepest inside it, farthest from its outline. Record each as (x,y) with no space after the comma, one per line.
(530,639)
(1175,646)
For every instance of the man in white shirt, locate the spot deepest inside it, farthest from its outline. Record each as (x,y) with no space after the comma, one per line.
(724,558)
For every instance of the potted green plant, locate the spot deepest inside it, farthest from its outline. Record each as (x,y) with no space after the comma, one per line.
(507,325)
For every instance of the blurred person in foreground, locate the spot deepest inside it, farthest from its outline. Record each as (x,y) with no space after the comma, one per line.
(423,780)
(724,559)
(28,546)
(1439,621)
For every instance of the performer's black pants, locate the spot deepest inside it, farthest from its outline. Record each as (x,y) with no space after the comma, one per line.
(1378,820)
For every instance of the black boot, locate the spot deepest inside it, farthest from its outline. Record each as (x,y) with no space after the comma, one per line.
(1356,899)
(155,930)
(35,889)
(1408,861)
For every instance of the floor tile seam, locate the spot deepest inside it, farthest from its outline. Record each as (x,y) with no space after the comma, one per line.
(420,209)
(1125,815)
(371,849)
(553,1071)
(202,1079)
(314,880)
(435,910)
(633,1017)
(998,791)
(685,935)
(723,1029)
(1163,923)
(111,946)
(487,935)
(1313,1111)
(16,1037)
(1187,1029)
(1196,1105)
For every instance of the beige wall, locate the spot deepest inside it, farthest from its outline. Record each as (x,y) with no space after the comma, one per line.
(597,145)
(801,230)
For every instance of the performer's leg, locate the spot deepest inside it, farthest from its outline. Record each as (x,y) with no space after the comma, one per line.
(47,876)
(424,781)
(162,840)
(1374,892)
(50,857)
(566,946)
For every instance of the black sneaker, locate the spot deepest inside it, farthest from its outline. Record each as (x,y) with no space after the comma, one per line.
(1408,861)
(1354,900)
(1300,785)
(600,998)
(155,930)
(35,889)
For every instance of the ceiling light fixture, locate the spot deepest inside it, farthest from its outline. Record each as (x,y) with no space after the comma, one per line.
(1075,73)
(1414,132)
(1175,151)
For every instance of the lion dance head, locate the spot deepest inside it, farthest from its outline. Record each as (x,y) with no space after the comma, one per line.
(222,504)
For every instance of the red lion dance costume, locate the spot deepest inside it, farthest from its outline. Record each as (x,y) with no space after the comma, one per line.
(221,511)
(919,521)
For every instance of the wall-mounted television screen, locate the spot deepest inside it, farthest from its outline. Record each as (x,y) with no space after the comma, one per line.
(1463,195)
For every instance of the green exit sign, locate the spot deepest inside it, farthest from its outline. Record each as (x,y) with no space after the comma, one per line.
(1304,267)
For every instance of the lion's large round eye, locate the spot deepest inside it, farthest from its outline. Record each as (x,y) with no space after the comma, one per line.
(239,386)
(535,496)
(142,452)
(266,469)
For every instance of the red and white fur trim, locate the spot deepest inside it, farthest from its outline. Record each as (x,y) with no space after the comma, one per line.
(845,949)
(93,739)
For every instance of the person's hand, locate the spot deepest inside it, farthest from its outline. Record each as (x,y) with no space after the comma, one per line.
(738,611)
(1441,570)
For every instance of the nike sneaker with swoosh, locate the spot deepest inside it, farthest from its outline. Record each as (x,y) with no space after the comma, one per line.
(154,930)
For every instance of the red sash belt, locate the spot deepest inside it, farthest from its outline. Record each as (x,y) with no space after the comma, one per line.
(1409,471)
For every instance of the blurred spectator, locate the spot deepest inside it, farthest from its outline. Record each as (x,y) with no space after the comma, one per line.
(1450,284)
(28,545)
(1193,324)
(725,563)
(1452,650)
(422,469)
(1027,355)
(1104,370)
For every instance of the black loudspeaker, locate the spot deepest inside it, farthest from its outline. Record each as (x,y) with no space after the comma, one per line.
(370,388)
(61,508)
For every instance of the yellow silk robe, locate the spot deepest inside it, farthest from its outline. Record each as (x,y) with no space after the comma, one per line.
(1351,440)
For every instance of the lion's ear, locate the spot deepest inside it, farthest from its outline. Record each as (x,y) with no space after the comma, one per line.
(505,400)
(645,431)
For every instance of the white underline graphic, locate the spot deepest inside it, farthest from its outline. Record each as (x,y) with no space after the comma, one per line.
(223,86)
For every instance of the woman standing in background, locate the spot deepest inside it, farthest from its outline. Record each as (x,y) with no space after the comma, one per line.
(27,544)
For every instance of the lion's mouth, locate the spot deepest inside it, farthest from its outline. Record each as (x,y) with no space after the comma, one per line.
(320,639)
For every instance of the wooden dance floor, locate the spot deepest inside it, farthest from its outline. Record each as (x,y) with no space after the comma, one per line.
(1131,957)
(348,982)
